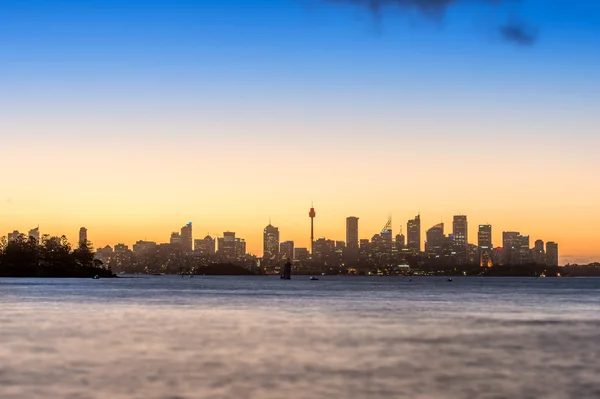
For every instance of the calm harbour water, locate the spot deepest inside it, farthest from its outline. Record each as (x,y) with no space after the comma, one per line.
(261,337)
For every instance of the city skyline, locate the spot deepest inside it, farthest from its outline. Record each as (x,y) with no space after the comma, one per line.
(430,238)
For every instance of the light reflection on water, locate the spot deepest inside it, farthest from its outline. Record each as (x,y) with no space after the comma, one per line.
(260,337)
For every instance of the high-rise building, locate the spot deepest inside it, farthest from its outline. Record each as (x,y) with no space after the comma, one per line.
(351,251)
(460,230)
(186,238)
(175,239)
(270,243)
(227,246)
(400,241)
(34,234)
(14,236)
(539,255)
(413,231)
(144,247)
(286,250)
(522,251)
(551,253)
(352,233)
(435,239)
(83,238)
(206,246)
(484,236)
(510,242)
(323,248)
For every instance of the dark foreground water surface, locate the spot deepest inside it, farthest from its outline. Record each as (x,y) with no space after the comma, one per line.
(261,337)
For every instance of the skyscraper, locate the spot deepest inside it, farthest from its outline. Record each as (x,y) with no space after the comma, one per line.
(270,243)
(539,255)
(484,244)
(34,234)
(551,253)
(484,236)
(286,250)
(413,231)
(227,246)
(83,238)
(435,239)
(206,246)
(175,239)
(14,236)
(352,232)
(351,251)
(187,240)
(460,230)
(510,241)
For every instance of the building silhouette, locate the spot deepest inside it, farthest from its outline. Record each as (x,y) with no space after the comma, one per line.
(286,250)
(14,236)
(34,234)
(83,237)
(510,242)
(187,240)
(484,236)
(301,254)
(485,246)
(460,230)
(175,239)
(144,247)
(206,246)
(413,231)
(270,243)
(312,215)
(435,239)
(551,253)
(351,251)
(539,255)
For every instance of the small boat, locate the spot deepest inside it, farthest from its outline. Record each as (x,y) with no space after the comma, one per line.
(96,277)
(314,278)
(450,279)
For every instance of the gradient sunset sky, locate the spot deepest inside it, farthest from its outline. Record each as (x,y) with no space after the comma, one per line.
(134,118)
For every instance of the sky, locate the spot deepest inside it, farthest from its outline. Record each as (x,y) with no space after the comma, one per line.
(134,118)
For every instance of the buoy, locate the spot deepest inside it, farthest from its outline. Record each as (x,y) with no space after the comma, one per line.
(96,277)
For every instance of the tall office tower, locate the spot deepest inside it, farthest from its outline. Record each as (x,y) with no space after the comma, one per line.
(551,253)
(352,232)
(484,236)
(240,248)
(175,238)
(83,238)
(144,247)
(286,250)
(12,237)
(539,255)
(351,250)
(510,242)
(523,252)
(270,243)
(435,239)
(227,246)
(400,241)
(386,239)
(187,240)
(484,244)
(206,246)
(312,215)
(34,234)
(460,230)
(413,231)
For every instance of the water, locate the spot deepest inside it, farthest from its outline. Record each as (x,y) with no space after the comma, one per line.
(261,337)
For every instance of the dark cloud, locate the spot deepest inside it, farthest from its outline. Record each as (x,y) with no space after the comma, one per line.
(519,34)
